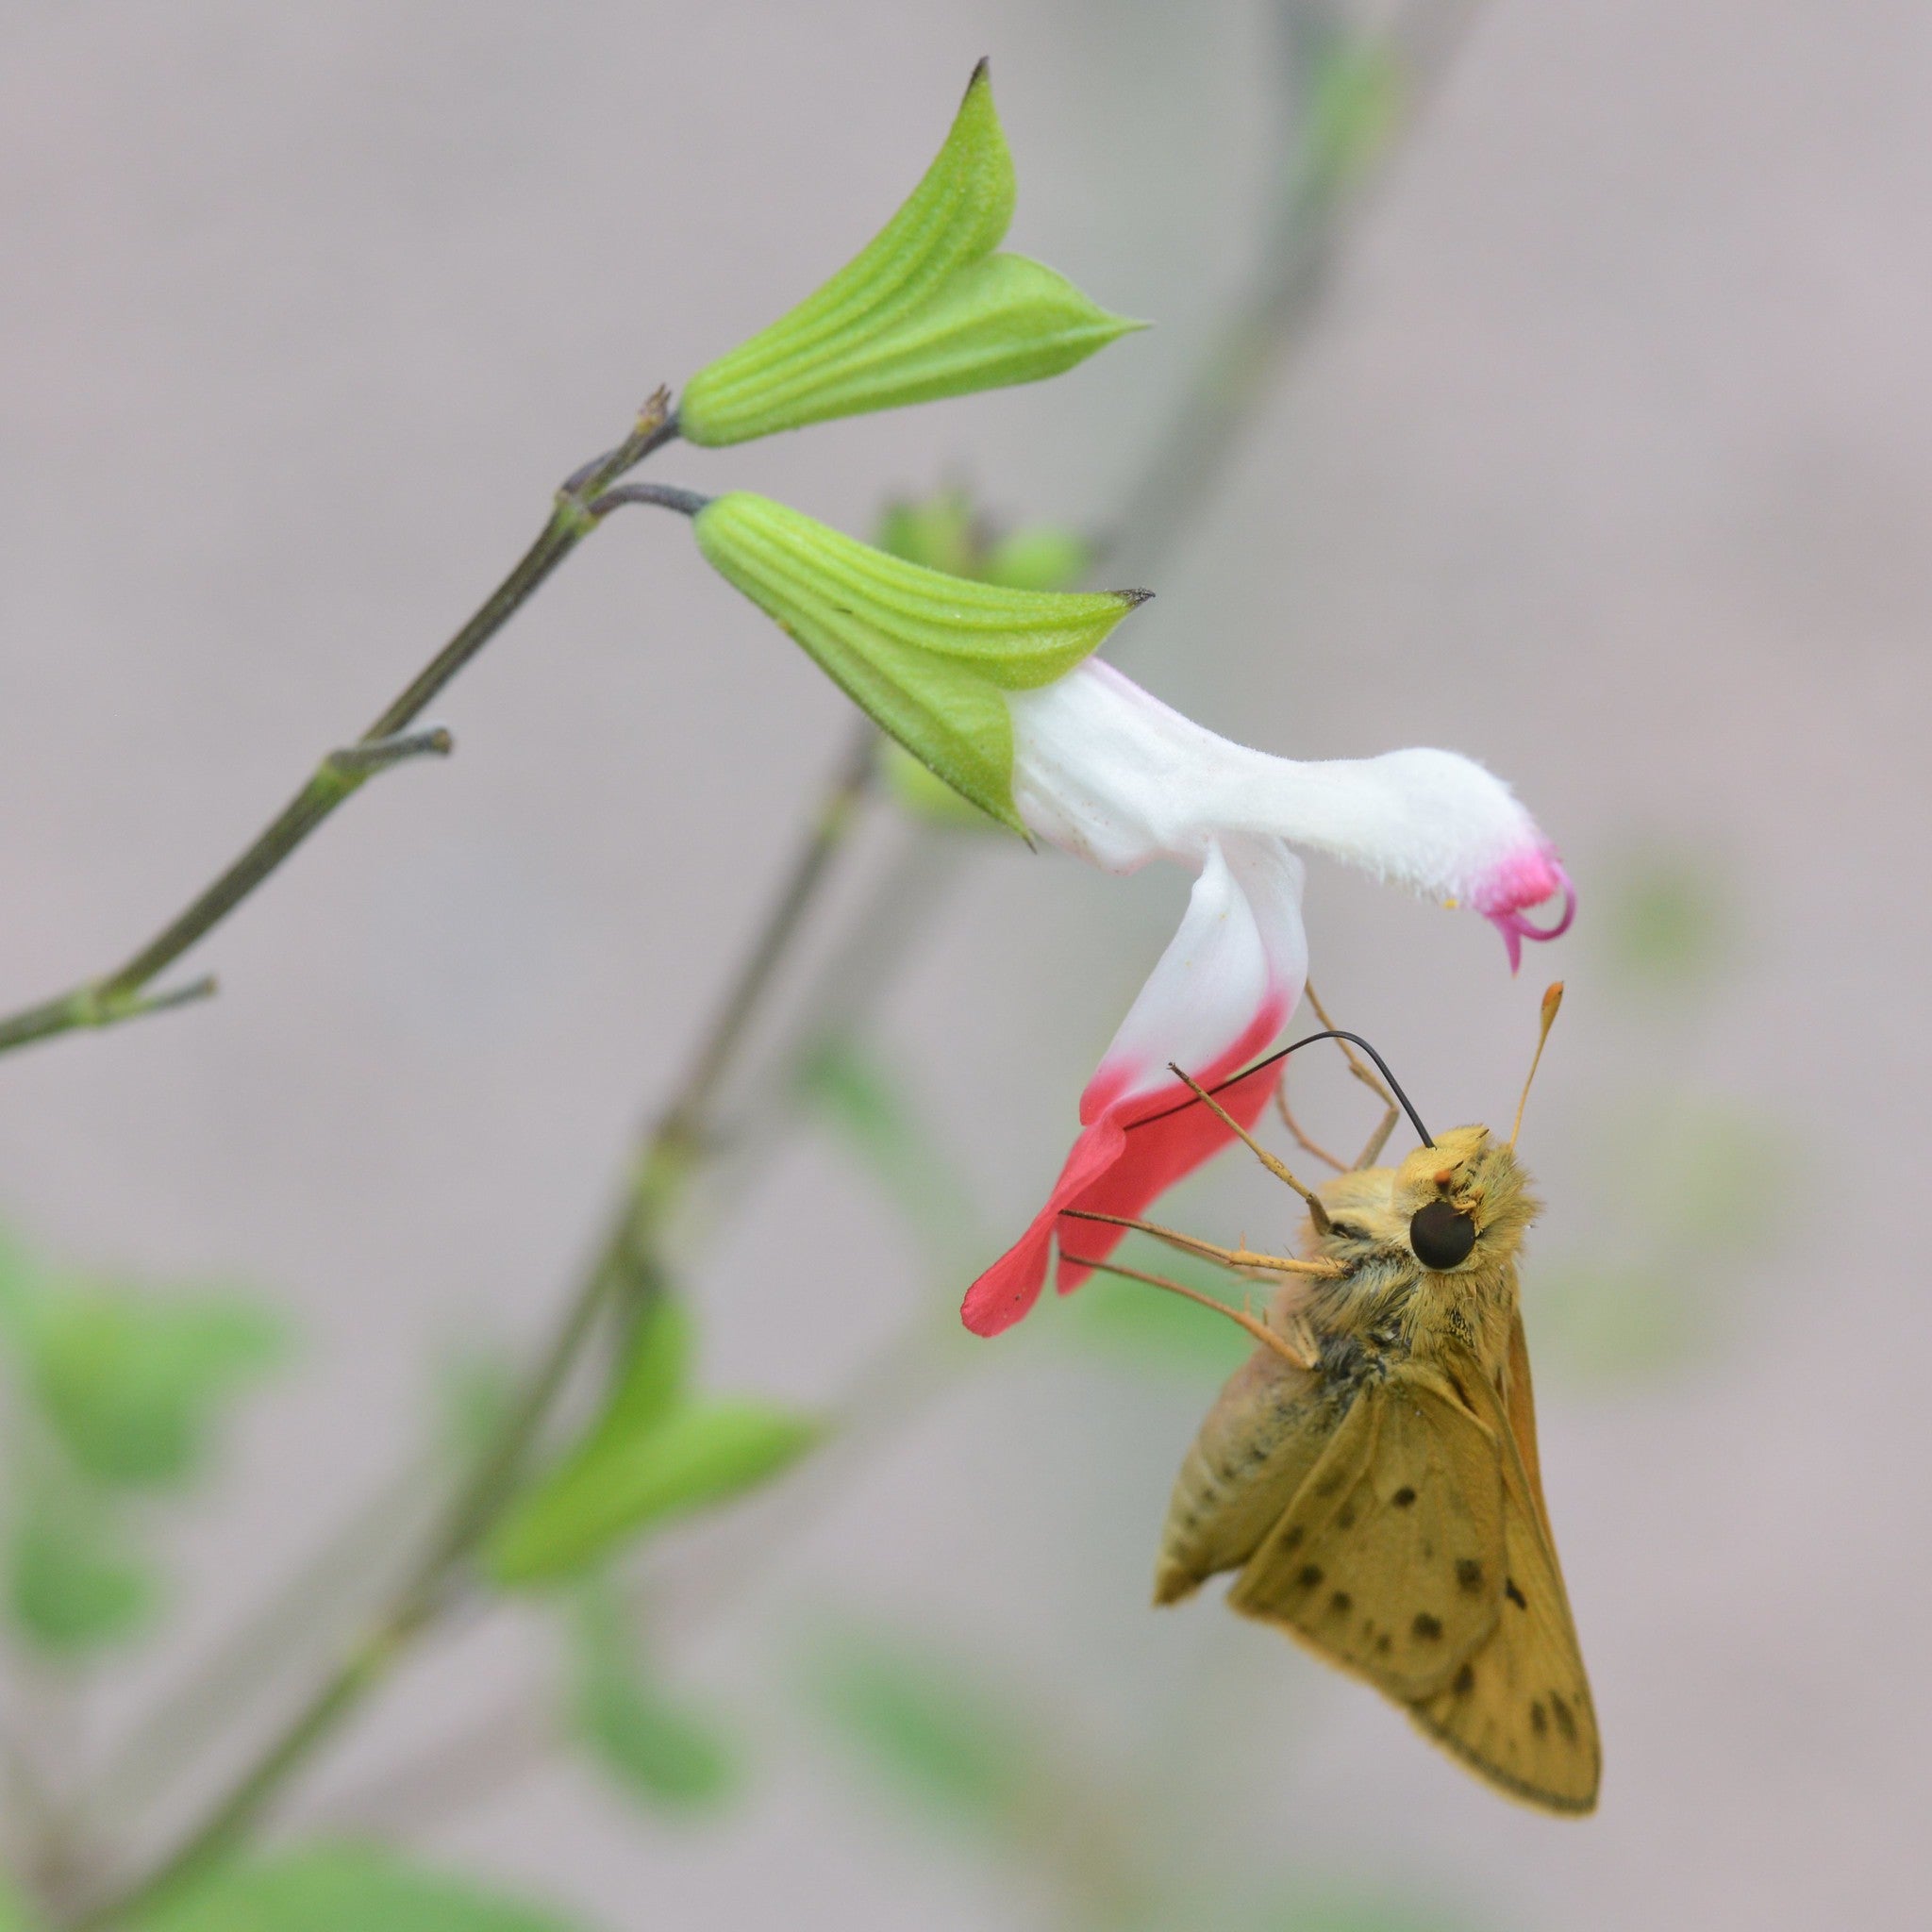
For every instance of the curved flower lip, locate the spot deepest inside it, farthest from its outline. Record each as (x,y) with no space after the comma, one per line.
(1131,1153)
(1530,879)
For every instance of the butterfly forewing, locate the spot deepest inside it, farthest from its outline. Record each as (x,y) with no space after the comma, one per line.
(1518,1710)
(1390,1560)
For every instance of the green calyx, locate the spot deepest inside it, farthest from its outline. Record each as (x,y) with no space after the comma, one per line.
(926,309)
(928,657)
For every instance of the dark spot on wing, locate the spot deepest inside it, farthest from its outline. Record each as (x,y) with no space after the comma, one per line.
(1515,1595)
(1340,1604)
(1310,1575)
(1469,1574)
(1538,1718)
(1292,1541)
(1346,1517)
(1403,1497)
(1382,1646)
(1465,1681)
(1427,1627)
(1329,1483)
(1565,1723)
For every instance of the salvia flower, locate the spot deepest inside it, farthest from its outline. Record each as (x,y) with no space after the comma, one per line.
(1112,775)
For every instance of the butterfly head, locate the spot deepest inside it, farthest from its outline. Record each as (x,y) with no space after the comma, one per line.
(1463,1200)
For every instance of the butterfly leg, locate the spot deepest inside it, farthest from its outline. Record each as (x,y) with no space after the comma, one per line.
(1294,1127)
(1318,1214)
(1360,1067)
(1241,1259)
(1299,1351)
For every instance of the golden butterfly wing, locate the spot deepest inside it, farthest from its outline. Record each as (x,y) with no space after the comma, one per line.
(1255,1448)
(1518,1711)
(1521,1413)
(1389,1561)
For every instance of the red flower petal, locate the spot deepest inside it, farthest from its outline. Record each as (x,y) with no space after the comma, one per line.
(1134,1152)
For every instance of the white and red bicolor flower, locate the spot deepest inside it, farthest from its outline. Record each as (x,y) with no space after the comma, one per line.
(1112,775)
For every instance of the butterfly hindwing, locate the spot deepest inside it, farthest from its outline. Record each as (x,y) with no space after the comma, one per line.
(1390,1559)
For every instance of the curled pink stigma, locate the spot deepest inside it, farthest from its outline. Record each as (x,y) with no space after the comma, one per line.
(1515,928)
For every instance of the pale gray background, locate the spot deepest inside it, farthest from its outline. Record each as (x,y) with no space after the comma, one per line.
(1613,467)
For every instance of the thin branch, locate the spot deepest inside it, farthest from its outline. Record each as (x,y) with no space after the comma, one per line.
(1318,208)
(119,995)
(627,1272)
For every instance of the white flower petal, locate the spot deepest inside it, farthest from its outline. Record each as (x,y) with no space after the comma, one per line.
(1106,771)
(1226,983)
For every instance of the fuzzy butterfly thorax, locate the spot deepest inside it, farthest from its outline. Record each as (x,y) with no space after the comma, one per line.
(1388,1300)
(1384,1504)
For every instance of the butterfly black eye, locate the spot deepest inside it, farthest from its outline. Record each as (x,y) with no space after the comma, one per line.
(1441,1235)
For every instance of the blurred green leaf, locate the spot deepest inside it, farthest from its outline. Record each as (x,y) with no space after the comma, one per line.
(866,1104)
(1720,1177)
(1039,558)
(931,1733)
(654,1376)
(947,531)
(1668,919)
(1354,107)
(939,531)
(1147,1328)
(654,1746)
(342,1889)
(475,1394)
(614,1487)
(1601,1320)
(14,1915)
(133,1382)
(74,1580)
(927,797)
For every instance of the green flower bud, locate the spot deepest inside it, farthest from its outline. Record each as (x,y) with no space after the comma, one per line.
(925,310)
(925,656)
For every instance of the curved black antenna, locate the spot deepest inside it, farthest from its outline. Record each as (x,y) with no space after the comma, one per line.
(1429,1140)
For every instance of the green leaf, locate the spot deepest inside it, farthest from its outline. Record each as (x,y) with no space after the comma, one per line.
(133,1382)
(929,658)
(74,1581)
(858,1095)
(613,1487)
(926,309)
(932,1734)
(340,1888)
(654,1746)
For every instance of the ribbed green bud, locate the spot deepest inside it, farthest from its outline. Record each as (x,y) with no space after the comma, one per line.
(926,310)
(925,656)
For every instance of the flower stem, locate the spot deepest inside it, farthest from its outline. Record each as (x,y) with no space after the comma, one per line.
(628,1271)
(121,994)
